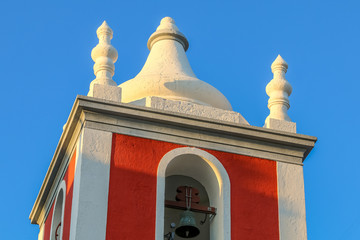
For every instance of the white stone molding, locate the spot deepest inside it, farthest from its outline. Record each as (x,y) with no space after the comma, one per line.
(167,72)
(57,169)
(91,186)
(191,109)
(41,232)
(279,90)
(291,197)
(206,169)
(104,55)
(195,131)
(62,189)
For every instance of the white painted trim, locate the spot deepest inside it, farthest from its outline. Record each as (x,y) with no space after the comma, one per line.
(62,187)
(61,174)
(76,186)
(41,232)
(291,200)
(57,168)
(219,195)
(91,185)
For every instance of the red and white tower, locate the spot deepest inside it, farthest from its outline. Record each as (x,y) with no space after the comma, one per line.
(163,156)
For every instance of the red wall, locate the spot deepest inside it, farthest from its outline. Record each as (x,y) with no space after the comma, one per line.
(48,224)
(132,191)
(69,179)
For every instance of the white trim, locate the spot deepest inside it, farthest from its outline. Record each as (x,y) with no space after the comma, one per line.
(62,187)
(91,185)
(76,185)
(57,169)
(41,232)
(213,177)
(60,176)
(291,200)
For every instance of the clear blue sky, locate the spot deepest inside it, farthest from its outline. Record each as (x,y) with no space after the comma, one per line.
(45,62)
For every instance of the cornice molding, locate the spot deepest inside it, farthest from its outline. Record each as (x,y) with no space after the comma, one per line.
(168,126)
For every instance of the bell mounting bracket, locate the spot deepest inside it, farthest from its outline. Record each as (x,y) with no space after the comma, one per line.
(187,198)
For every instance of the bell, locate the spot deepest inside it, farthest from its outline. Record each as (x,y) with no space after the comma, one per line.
(187,226)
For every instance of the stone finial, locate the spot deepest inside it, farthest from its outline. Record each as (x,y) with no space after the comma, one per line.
(167,23)
(168,30)
(104,55)
(279,90)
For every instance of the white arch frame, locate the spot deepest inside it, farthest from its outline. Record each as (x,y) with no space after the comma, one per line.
(62,187)
(219,195)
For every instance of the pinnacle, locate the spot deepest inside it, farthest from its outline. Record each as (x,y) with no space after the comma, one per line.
(104,29)
(279,64)
(167,23)
(167,20)
(279,61)
(104,25)
(168,30)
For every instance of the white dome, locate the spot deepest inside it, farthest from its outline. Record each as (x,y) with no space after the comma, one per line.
(168,74)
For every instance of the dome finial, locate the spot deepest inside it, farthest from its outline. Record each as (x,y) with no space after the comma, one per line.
(279,90)
(168,30)
(167,20)
(167,23)
(104,55)
(167,73)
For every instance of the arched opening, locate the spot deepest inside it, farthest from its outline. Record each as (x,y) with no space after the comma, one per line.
(58,214)
(199,165)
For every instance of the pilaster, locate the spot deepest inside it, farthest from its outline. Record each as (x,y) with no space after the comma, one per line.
(91,186)
(291,197)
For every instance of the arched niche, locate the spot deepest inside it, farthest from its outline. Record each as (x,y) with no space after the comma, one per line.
(210,173)
(58,213)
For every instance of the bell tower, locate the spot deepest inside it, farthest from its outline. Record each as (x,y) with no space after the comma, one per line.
(164,156)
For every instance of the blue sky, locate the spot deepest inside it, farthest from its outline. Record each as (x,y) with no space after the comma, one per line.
(45,62)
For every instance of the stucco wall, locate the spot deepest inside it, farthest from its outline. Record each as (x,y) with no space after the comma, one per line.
(132,191)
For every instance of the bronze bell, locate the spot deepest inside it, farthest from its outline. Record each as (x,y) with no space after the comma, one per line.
(187,226)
